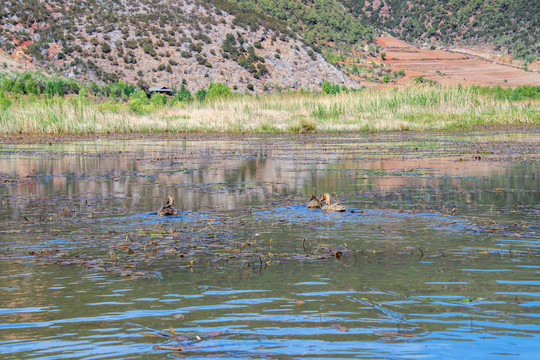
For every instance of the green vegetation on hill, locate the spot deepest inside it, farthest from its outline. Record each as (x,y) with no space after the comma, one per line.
(106,40)
(166,41)
(508,25)
(320,22)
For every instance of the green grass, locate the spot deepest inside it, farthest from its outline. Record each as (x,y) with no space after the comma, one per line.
(411,108)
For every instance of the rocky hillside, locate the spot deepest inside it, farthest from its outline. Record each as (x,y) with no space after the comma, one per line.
(251,45)
(171,42)
(510,26)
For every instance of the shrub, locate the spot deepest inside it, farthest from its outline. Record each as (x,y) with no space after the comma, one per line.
(149,48)
(328,88)
(183,94)
(218,90)
(105,48)
(195,46)
(131,44)
(18,88)
(304,126)
(30,87)
(5,102)
(158,99)
(200,94)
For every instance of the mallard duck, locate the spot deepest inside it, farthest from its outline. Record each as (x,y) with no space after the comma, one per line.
(329,206)
(168,209)
(313,203)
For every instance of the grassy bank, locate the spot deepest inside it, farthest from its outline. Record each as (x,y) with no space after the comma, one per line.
(412,108)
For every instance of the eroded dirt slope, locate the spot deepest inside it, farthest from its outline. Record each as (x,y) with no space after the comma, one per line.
(453,67)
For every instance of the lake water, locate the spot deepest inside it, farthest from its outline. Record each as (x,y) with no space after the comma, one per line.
(439,257)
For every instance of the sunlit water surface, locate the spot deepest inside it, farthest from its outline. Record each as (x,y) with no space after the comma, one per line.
(441,254)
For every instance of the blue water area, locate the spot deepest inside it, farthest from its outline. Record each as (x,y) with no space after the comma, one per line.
(437,258)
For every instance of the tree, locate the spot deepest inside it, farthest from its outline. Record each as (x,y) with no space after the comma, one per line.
(17,88)
(183,94)
(30,87)
(200,94)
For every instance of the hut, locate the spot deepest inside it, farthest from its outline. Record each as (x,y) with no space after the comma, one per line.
(160,90)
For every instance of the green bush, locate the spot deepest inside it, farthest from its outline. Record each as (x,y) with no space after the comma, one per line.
(328,88)
(139,106)
(218,90)
(200,94)
(158,99)
(105,48)
(183,94)
(5,102)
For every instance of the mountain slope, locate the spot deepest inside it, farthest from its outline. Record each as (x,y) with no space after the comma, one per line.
(163,43)
(507,25)
(250,45)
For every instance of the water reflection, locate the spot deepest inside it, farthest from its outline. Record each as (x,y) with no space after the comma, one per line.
(434,276)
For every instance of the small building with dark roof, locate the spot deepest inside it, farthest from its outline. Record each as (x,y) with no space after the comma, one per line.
(160,90)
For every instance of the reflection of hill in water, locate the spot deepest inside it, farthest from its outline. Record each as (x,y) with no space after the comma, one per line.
(138,174)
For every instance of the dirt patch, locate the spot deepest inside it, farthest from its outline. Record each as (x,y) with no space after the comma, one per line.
(458,66)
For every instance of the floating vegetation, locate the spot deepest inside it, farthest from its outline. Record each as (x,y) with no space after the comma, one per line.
(514,228)
(175,342)
(13,179)
(142,253)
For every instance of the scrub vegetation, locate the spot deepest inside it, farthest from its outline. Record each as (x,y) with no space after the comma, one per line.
(218,109)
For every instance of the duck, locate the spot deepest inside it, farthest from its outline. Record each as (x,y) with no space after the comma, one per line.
(329,206)
(313,203)
(168,209)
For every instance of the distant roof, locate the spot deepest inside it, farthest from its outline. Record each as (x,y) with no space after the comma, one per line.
(159,88)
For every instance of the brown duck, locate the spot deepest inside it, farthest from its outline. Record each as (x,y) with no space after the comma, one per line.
(329,206)
(168,209)
(313,203)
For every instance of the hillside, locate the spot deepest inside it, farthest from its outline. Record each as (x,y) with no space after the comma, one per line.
(262,45)
(165,42)
(509,26)
(452,67)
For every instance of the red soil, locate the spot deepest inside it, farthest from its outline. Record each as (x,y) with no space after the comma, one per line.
(465,67)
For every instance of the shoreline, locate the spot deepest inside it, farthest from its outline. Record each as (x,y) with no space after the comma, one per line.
(28,138)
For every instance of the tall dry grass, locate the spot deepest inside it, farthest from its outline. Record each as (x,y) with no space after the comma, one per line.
(411,108)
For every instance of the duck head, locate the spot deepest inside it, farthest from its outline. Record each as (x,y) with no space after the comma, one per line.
(326,197)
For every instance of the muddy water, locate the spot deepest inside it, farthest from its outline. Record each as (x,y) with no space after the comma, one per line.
(439,257)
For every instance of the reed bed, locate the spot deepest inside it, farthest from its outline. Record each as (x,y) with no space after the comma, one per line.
(411,108)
